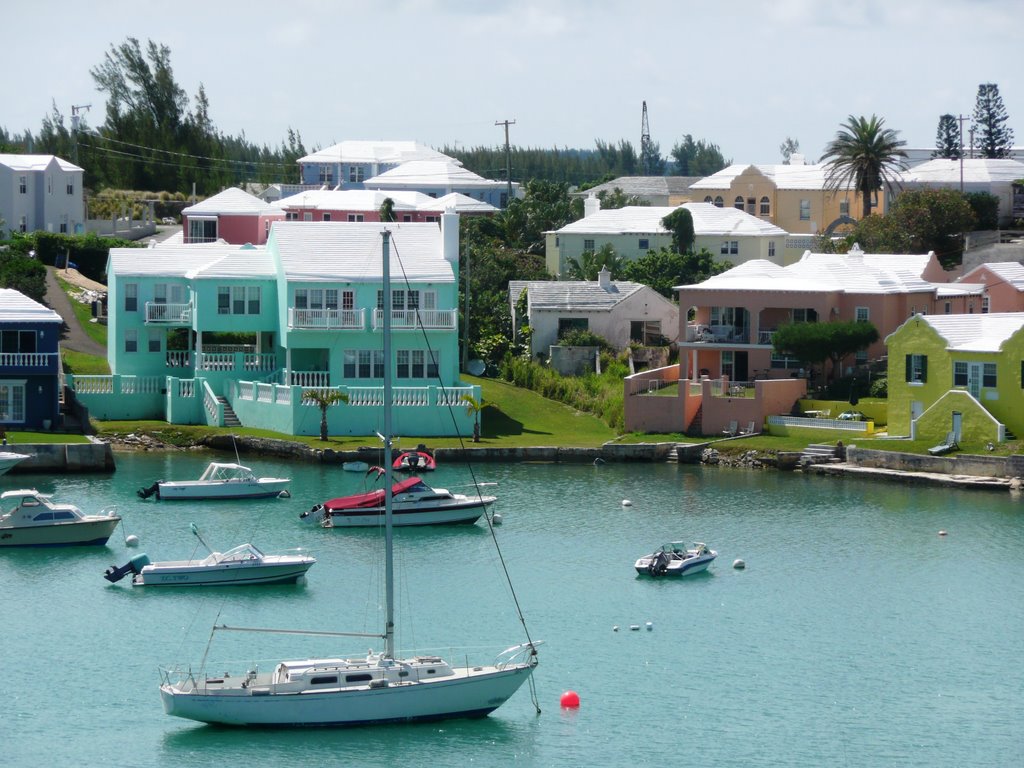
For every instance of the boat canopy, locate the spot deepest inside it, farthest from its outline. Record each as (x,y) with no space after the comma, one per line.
(371,498)
(218,471)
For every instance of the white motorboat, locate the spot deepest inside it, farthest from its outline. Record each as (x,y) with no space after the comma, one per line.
(243,565)
(413,503)
(29,519)
(219,481)
(676,559)
(338,691)
(9,458)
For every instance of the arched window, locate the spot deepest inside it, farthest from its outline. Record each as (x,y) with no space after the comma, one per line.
(707,199)
(719,202)
(738,203)
(766,206)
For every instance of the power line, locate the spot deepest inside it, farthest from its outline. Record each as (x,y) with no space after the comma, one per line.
(185,154)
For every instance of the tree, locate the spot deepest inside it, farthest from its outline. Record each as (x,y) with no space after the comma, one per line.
(992,137)
(818,342)
(474,407)
(24,274)
(697,158)
(618,199)
(651,159)
(590,264)
(680,224)
(545,206)
(864,155)
(788,148)
(387,210)
(324,399)
(947,138)
(664,269)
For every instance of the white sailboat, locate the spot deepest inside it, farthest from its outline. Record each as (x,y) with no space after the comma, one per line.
(376,688)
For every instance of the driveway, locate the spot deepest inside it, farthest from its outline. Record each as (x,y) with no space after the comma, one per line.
(72,335)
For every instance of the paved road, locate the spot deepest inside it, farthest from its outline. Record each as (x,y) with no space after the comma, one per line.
(72,336)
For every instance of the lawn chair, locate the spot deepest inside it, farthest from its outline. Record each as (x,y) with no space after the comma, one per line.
(732,429)
(945,447)
(749,430)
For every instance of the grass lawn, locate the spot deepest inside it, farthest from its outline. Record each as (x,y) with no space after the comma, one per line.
(83,313)
(13,438)
(84,365)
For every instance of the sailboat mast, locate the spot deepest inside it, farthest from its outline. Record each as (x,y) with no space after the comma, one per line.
(389,571)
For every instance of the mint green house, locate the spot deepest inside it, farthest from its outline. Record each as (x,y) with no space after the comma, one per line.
(959,374)
(224,334)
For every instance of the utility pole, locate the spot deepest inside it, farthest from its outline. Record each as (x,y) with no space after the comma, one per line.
(961,118)
(508,157)
(465,319)
(75,120)
(645,143)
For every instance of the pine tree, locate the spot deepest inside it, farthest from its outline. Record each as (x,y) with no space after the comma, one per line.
(947,139)
(992,137)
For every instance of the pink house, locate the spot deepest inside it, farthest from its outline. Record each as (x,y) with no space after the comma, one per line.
(365,205)
(234,216)
(1002,285)
(731,318)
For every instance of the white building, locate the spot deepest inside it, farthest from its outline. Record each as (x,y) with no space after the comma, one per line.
(41,192)
(995,177)
(730,234)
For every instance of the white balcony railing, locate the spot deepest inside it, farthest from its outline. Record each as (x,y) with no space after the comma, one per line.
(327,319)
(168,314)
(28,359)
(429,319)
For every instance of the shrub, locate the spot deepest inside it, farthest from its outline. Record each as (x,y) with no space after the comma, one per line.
(600,395)
(880,387)
(579,337)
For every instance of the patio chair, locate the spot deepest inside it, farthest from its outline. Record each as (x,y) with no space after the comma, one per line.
(948,445)
(749,430)
(732,429)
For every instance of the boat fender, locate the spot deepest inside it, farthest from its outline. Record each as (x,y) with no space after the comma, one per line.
(284,494)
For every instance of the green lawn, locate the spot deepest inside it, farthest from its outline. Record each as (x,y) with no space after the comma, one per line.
(84,365)
(83,312)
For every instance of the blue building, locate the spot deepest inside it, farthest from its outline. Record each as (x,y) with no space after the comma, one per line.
(29,363)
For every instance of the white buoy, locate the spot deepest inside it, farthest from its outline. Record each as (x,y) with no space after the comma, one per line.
(627,503)
(131,540)
(942,533)
(634,627)
(615,628)
(496,518)
(738,564)
(650,625)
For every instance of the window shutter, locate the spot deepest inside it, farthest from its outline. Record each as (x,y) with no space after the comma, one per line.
(910,368)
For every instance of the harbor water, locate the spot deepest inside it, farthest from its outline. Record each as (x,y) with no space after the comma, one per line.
(856,634)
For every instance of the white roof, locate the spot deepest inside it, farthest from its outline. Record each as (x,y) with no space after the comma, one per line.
(974,333)
(578,295)
(35,162)
(975,171)
(198,261)
(794,176)
(373,199)
(16,307)
(855,272)
(352,251)
(443,171)
(372,152)
(708,221)
(460,203)
(233,201)
(1011,272)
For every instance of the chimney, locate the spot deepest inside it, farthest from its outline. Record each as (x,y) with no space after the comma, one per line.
(797,159)
(604,278)
(450,237)
(591,205)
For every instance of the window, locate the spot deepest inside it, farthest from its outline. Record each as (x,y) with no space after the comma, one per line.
(155,338)
(71,188)
(49,184)
(805,315)
(23,226)
(12,401)
(805,210)
(408,217)
(12,342)
(738,202)
(988,375)
(326,174)
(707,199)
(566,324)
(416,364)
(970,307)
(307,215)
(719,202)
(862,314)
(588,245)
(432,218)
(861,357)
(291,216)
(327,217)
(771,249)
(355,173)
(959,374)
(131,297)
(363,364)
(202,230)
(734,247)
(917,368)
(238,300)
(644,244)
(355,217)
(949,307)
(766,206)
(984,305)
(724,250)
(844,207)
(64,223)
(348,300)
(22,185)
(253,299)
(223,300)
(131,340)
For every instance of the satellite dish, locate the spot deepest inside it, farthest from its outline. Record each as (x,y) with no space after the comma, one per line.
(476,367)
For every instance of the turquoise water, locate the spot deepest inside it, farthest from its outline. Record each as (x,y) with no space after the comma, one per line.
(856,635)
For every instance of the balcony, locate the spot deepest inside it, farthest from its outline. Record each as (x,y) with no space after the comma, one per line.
(326,319)
(428,319)
(28,362)
(168,314)
(716,334)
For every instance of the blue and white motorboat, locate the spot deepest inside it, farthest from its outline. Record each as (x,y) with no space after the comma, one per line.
(676,559)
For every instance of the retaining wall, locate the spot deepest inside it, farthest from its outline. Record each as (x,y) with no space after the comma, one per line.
(960,464)
(63,458)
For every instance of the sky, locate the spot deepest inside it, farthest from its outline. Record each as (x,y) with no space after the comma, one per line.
(743,75)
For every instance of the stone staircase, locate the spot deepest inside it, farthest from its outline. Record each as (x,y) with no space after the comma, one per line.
(820,453)
(230,418)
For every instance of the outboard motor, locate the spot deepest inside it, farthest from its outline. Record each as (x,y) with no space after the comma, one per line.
(659,565)
(145,493)
(114,574)
(315,509)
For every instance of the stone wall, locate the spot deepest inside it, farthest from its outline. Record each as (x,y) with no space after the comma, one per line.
(959,464)
(64,457)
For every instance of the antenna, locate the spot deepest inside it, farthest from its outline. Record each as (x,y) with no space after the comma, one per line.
(75,109)
(508,159)
(645,144)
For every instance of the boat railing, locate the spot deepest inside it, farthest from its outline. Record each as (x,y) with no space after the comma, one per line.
(518,654)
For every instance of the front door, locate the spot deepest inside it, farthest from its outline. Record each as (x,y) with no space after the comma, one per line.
(958,423)
(741,371)
(974,374)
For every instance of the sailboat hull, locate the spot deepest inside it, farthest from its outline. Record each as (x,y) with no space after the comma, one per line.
(468,693)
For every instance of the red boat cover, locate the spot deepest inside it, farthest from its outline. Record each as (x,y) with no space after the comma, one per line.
(423,459)
(371,498)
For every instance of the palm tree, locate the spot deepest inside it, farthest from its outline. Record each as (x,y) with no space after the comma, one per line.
(324,399)
(474,407)
(864,155)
